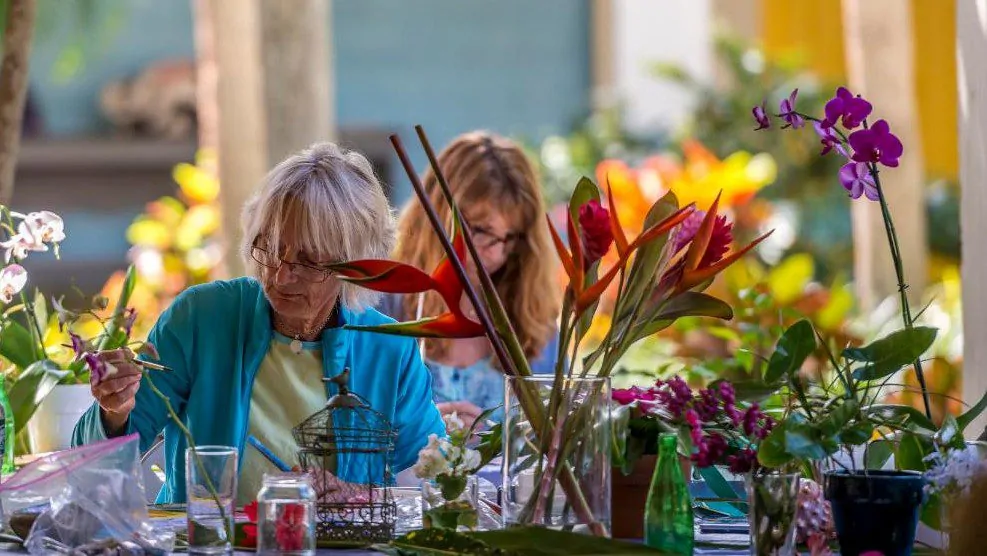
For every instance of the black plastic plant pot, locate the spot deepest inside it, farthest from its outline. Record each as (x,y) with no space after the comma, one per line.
(876,510)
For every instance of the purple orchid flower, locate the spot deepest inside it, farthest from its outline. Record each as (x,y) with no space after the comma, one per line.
(876,144)
(788,112)
(845,107)
(761,117)
(97,368)
(856,178)
(830,140)
(78,344)
(130,317)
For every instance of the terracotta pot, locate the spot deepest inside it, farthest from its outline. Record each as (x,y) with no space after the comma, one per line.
(629,495)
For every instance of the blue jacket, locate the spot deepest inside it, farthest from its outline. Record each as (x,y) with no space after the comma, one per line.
(214,337)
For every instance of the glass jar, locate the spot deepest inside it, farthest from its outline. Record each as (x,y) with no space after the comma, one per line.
(286,515)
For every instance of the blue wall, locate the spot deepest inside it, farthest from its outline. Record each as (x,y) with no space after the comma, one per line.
(514,66)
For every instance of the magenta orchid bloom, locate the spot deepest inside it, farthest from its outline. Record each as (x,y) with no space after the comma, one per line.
(97,368)
(789,114)
(830,140)
(856,178)
(876,144)
(845,107)
(761,116)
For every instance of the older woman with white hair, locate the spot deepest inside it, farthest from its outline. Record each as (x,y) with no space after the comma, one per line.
(249,355)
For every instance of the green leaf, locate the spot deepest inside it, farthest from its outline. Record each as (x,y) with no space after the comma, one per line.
(753,390)
(647,259)
(911,452)
(40,310)
(585,192)
(892,352)
(903,415)
(968,416)
(451,486)
(857,434)
(491,443)
(788,279)
(17,344)
(877,454)
(949,434)
(693,304)
(839,417)
(31,388)
(801,442)
(772,452)
(794,347)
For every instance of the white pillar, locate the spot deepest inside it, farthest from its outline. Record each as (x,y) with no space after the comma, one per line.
(971,49)
(670,31)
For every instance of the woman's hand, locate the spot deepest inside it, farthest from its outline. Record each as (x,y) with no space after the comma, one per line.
(117,390)
(466,411)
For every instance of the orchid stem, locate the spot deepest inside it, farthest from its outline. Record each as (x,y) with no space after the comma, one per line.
(906,313)
(195,454)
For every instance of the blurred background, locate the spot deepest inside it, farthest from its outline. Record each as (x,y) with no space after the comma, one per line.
(149,122)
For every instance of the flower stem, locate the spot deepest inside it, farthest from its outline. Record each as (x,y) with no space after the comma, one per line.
(195,454)
(906,313)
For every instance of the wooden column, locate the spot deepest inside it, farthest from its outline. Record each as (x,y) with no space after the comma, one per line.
(880,66)
(242,137)
(971,49)
(602,52)
(735,19)
(298,95)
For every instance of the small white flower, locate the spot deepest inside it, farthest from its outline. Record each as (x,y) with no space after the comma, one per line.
(45,226)
(470,462)
(453,422)
(20,244)
(431,460)
(952,472)
(13,278)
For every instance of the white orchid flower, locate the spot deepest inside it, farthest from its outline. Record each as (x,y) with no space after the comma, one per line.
(44,226)
(13,278)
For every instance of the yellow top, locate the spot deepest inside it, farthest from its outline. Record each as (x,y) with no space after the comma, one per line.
(287,390)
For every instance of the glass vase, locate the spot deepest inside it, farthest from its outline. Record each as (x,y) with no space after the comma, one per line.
(773,502)
(668,518)
(459,513)
(556,439)
(286,515)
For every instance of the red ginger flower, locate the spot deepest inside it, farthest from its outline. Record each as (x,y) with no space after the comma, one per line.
(597,236)
(250,529)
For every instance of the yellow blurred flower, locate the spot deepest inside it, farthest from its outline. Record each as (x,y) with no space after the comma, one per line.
(197,184)
(146,232)
(702,176)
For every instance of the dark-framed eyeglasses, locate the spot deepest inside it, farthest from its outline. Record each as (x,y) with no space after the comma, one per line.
(307,272)
(484,238)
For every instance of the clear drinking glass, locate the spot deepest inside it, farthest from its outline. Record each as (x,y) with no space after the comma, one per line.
(210,475)
(286,515)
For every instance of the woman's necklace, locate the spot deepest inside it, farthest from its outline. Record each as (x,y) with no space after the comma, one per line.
(296,344)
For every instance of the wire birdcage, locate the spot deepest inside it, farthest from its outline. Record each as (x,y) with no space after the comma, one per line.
(347,447)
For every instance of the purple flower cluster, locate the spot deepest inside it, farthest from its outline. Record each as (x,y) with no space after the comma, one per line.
(863,148)
(711,416)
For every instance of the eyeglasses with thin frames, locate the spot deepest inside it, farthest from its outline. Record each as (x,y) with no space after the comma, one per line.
(485,238)
(307,272)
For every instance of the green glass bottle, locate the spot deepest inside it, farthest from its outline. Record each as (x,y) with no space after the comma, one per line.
(668,522)
(6,431)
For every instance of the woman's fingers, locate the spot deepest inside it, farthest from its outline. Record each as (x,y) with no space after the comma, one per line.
(116,395)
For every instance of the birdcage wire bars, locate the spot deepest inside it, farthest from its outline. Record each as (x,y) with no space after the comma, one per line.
(347,448)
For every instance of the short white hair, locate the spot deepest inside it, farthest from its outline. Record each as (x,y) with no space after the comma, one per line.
(342,211)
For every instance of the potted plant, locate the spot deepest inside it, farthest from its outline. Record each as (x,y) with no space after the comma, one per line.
(48,385)
(873,509)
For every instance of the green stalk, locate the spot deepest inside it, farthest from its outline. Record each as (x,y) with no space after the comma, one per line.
(906,313)
(195,455)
